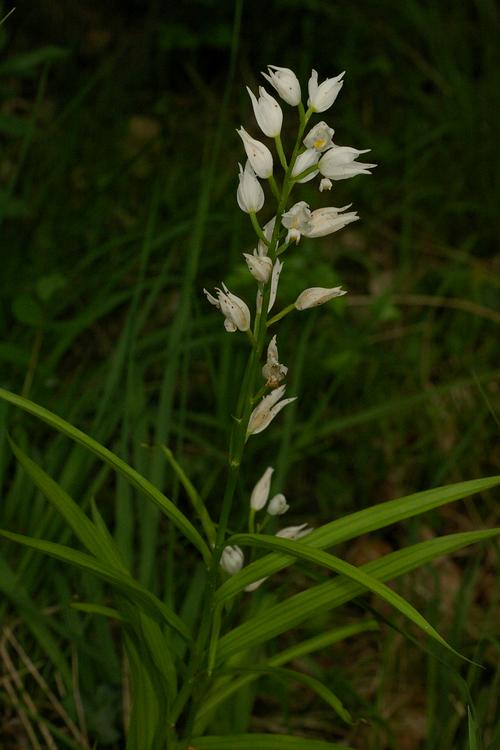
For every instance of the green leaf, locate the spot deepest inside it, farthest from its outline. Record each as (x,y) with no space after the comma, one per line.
(326,596)
(291,675)
(303,552)
(117,578)
(97,609)
(355,524)
(223,688)
(82,527)
(263,742)
(116,463)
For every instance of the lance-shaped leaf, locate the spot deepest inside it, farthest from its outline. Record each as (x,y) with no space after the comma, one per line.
(355,524)
(116,463)
(326,596)
(303,552)
(120,580)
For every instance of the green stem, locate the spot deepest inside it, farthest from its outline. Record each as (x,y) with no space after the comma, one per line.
(258,229)
(274,187)
(281,153)
(281,314)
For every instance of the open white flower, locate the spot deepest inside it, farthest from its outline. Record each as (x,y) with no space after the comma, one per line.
(235,311)
(250,195)
(260,492)
(306,159)
(294,532)
(322,96)
(339,163)
(317,295)
(328,220)
(260,266)
(273,371)
(277,505)
(319,137)
(266,410)
(285,82)
(258,154)
(297,220)
(232,559)
(267,112)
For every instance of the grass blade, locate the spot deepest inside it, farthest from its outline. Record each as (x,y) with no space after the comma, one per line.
(326,596)
(116,463)
(356,576)
(355,524)
(115,577)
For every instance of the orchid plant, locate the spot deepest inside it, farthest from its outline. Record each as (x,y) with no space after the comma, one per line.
(184,669)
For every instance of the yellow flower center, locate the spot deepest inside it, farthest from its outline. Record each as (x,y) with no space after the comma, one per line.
(319,143)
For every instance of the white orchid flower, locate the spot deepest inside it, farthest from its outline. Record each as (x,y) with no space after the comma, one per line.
(273,371)
(265,411)
(285,82)
(306,159)
(234,309)
(297,220)
(294,532)
(325,184)
(258,154)
(317,295)
(260,266)
(339,163)
(322,96)
(260,492)
(277,505)
(319,137)
(250,195)
(267,112)
(328,220)
(232,559)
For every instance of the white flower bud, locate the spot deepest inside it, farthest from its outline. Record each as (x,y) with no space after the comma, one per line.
(277,505)
(260,492)
(296,220)
(285,82)
(250,195)
(273,371)
(328,220)
(319,137)
(256,584)
(258,154)
(267,112)
(259,266)
(306,159)
(232,559)
(317,295)
(339,163)
(322,96)
(325,184)
(235,311)
(294,532)
(266,410)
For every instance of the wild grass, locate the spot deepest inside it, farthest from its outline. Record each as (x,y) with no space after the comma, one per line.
(118,182)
